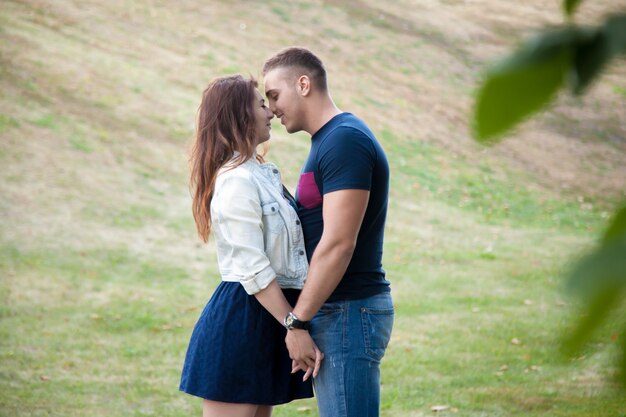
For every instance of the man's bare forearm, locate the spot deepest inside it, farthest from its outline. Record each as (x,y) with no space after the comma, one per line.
(328,265)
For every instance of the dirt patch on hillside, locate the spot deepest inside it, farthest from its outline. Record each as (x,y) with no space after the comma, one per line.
(443,47)
(100,98)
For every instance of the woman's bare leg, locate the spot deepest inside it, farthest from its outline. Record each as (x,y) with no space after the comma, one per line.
(220,409)
(264,411)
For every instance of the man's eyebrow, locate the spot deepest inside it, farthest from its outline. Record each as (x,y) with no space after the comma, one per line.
(268,92)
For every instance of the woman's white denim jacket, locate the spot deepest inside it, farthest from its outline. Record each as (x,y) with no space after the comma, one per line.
(257,232)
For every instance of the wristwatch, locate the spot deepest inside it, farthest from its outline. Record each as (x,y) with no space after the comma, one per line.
(292,322)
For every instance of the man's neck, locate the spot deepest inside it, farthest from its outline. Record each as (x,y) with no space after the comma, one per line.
(325,110)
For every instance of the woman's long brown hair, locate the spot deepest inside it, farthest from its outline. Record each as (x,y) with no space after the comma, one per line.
(226,123)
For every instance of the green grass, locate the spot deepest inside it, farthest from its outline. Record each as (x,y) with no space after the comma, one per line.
(7,122)
(101,274)
(79,328)
(131,217)
(48,121)
(91,329)
(620,90)
(496,198)
(282,14)
(81,143)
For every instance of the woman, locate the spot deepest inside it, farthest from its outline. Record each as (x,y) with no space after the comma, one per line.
(237,360)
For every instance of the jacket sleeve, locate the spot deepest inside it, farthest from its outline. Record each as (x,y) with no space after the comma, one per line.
(237,212)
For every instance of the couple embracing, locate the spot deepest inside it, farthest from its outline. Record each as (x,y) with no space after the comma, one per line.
(303,301)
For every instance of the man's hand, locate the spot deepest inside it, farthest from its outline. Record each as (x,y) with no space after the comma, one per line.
(304,352)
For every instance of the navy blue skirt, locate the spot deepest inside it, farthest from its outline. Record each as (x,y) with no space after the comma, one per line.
(237,352)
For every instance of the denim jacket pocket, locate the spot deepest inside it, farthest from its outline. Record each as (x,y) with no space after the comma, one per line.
(377,325)
(272,220)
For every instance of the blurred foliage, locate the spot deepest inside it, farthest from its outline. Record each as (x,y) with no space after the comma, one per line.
(570,6)
(527,81)
(600,277)
(523,84)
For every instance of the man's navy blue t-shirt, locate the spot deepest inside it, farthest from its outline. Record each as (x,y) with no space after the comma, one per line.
(345,155)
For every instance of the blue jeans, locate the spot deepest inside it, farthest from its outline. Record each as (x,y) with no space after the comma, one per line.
(353,334)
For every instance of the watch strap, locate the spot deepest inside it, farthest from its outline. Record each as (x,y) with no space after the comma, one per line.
(293,322)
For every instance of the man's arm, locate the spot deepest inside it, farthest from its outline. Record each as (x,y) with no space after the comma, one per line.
(343,214)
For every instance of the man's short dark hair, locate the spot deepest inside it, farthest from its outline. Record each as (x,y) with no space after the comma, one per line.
(302,59)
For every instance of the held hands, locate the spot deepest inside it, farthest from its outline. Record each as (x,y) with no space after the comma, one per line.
(303,352)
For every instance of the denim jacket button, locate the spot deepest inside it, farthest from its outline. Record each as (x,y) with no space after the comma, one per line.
(275,171)
(301,252)
(298,222)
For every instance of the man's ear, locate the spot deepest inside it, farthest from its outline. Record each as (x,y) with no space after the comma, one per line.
(304,85)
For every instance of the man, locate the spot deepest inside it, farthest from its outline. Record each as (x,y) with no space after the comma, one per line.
(342,203)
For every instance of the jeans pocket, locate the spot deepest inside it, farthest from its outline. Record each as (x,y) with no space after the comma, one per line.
(377,325)
(328,317)
(327,327)
(330,308)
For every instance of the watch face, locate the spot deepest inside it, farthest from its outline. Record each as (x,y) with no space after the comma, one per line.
(289,320)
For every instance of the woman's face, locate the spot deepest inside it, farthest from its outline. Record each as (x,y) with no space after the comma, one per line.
(263,115)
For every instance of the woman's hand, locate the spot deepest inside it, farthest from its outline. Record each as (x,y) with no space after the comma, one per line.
(304,353)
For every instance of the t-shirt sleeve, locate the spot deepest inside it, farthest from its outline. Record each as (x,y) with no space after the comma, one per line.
(346,160)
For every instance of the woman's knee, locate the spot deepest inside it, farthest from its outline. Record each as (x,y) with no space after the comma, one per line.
(264,411)
(220,409)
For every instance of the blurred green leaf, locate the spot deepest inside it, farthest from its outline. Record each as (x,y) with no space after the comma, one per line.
(617,228)
(591,53)
(600,277)
(605,267)
(594,48)
(597,311)
(522,84)
(570,6)
(622,361)
(615,29)
(528,80)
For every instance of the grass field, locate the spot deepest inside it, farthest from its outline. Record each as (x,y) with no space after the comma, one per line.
(102,276)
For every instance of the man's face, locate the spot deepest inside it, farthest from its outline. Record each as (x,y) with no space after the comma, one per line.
(283,98)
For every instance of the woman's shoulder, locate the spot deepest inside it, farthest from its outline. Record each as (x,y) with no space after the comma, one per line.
(235,180)
(242,171)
